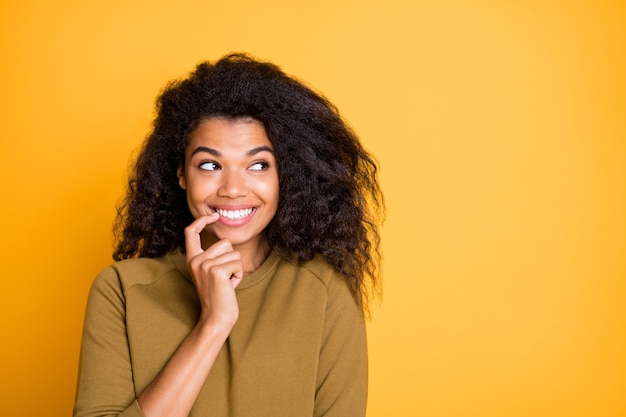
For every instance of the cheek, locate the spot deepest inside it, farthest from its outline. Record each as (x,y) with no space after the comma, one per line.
(192,203)
(197,194)
(200,189)
(270,191)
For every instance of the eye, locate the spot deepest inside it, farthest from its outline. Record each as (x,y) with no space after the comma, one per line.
(259,166)
(209,166)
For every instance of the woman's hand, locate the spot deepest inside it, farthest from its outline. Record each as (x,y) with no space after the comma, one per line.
(216,271)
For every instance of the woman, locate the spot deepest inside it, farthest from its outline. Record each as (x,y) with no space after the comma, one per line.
(247,249)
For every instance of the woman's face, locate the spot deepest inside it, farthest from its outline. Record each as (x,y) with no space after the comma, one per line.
(230,169)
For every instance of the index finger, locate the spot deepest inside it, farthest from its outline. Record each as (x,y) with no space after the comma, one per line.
(193,244)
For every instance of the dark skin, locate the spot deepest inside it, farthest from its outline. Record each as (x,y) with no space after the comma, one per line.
(232,191)
(216,272)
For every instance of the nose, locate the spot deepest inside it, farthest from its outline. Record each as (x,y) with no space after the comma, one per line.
(233,184)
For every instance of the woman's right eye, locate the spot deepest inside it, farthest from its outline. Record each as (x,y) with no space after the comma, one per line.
(209,166)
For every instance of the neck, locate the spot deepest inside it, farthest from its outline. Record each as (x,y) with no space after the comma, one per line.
(253,253)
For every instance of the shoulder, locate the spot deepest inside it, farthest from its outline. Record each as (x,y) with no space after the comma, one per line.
(137,271)
(318,269)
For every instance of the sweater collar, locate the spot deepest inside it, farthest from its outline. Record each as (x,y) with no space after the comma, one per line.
(267,268)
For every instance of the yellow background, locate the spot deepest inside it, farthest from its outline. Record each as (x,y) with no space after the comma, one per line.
(499,126)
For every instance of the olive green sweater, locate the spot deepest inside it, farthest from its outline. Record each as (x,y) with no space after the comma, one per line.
(298,348)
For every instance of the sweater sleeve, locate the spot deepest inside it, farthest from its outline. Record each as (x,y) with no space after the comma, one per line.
(105,384)
(342,371)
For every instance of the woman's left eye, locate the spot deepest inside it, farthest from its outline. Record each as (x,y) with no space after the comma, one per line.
(259,166)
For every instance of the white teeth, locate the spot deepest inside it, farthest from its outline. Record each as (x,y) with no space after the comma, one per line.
(235,214)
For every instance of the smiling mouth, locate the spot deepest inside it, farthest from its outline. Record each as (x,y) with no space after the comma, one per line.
(235,214)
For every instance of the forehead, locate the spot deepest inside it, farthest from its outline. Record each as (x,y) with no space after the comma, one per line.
(226,134)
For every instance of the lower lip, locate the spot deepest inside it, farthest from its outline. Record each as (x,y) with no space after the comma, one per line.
(236,222)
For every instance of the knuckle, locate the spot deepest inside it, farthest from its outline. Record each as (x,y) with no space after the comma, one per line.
(195,264)
(219,271)
(207,266)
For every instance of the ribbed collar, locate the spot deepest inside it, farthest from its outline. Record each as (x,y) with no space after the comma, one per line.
(266,269)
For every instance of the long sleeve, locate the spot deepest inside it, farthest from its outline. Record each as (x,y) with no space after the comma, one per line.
(105,382)
(342,370)
(297,350)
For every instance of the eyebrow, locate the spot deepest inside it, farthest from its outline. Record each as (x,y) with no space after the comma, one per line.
(215,152)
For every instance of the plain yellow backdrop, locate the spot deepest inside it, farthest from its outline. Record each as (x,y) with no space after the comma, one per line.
(500,129)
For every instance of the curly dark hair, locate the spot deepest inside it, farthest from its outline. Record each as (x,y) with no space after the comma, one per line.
(330,202)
